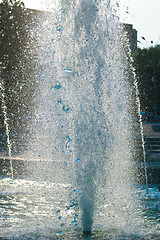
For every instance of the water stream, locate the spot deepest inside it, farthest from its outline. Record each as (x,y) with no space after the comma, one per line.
(80,175)
(6,123)
(83,107)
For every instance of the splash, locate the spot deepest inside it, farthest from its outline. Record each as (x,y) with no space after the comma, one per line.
(83,118)
(6,123)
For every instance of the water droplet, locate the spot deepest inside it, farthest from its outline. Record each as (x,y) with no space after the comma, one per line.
(59,101)
(59,29)
(73,203)
(58,86)
(68,151)
(66,109)
(73,200)
(67,70)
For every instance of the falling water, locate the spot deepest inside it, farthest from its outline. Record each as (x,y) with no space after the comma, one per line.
(80,169)
(4,110)
(83,119)
(138,110)
(142,136)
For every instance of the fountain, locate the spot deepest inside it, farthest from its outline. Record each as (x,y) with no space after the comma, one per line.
(79,178)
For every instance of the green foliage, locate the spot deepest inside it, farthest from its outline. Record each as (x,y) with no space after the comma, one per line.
(148,67)
(16,65)
(11,30)
(12,3)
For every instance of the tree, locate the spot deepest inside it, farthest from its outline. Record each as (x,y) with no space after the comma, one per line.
(11,30)
(148,68)
(16,66)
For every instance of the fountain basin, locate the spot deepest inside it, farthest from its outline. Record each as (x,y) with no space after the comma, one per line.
(25,167)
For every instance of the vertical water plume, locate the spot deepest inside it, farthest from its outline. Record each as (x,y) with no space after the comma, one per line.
(4,110)
(138,104)
(142,134)
(83,118)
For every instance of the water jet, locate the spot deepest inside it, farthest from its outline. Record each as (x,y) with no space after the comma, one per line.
(87,233)
(79,167)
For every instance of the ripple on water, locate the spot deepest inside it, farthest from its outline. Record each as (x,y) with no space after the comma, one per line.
(29,209)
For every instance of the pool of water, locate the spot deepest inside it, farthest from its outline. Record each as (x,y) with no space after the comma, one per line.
(41,210)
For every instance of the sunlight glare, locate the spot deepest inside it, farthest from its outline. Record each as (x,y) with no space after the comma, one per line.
(42,4)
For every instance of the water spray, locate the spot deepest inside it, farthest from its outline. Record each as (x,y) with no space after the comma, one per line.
(6,120)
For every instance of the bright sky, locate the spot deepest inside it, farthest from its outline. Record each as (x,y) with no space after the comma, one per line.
(41,4)
(143,14)
(145,17)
